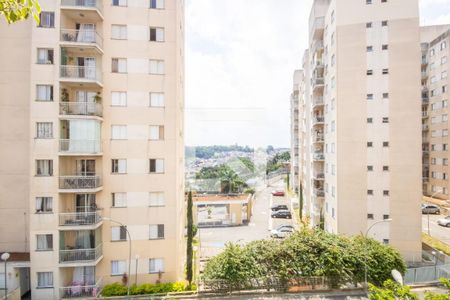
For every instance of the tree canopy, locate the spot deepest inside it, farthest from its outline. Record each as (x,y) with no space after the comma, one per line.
(18,10)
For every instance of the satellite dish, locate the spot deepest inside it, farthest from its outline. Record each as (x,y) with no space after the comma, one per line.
(397,276)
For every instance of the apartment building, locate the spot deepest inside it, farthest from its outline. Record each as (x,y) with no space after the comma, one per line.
(295,136)
(92,102)
(435,41)
(361,121)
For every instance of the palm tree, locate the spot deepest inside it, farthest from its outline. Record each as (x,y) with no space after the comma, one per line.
(230,181)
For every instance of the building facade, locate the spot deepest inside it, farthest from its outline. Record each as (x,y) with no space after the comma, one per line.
(295,136)
(435,82)
(362,114)
(93,97)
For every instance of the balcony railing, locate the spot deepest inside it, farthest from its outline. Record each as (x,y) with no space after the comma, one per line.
(79,218)
(81,36)
(81,108)
(79,72)
(319,176)
(318,138)
(81,290)
(94,4)
(318,120)
(318,156)
(319,192)
(425,127)
(80,146)
(80,182)
(424,114)
(317,81)
(317,101)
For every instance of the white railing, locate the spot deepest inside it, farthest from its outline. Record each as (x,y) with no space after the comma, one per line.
(79,72)
(318,101)
(317,80)
(81,290)
(95,4)
(79,218)
(80,146)
(80,255)
(319,192)
(80,182)
(81,36)
(319,175)
(81,108)
(318,156)
(318,138)
(318,120)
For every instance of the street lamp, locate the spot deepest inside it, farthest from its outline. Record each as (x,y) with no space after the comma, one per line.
(428,215)
(365,256)
(5,256)
(129,250)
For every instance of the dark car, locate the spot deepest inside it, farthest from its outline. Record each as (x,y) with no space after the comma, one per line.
(430,209)
(279,207)
(282,214)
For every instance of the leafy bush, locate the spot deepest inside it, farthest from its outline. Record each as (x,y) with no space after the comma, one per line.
(116,289)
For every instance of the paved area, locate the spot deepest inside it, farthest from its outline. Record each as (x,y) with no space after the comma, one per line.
(437,231)
(213,240)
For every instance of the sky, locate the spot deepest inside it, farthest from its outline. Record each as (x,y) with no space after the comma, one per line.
(240,57)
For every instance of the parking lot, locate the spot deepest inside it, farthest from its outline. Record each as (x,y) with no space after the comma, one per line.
(437,231)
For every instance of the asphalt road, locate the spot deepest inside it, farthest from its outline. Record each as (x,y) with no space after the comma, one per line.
(437,231)
(213,240)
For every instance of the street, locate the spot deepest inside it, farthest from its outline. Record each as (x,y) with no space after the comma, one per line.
(437,231)
(213,240)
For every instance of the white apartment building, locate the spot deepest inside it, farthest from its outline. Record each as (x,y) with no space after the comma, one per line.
(92,102)
(295,136)
(435,95)
(361,122)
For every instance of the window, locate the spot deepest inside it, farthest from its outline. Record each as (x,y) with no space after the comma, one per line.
(156,199)
(156,67)
(370,120)
(45,56)
(384,23)
(156,100)
(369,48)
(385,168)
(44,204)
(368,1)
(383,1)
(385,120)
(443,60)
(119,233)
(119,32)
(119,199)
(385,95)
(156,231)
(47,19)
(156,133)
(118,267)
(369,96)
(156,166)
(119,132)
(445,147)
(119,65)
(156,265)
(369,144)
(385,144)
(370,168)
(156,34)
(44,130)
(119,2)
(370,192)
(385,217)
(370,216)
(432,52)
(118,98)
(443,45)
(44,279)
(369,25)
(369,72)
(385,71)
(44,242)
(384,47)
(44,92)
(444,75)
(386,241)
(118,166)
(385,193)
(157,4)
(44,167)
(444,89)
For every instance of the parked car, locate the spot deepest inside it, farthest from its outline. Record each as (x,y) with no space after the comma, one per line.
(444,222)
(279,207)
(430,209)
(282,214)
(285,226)
(282,232)
(278,193)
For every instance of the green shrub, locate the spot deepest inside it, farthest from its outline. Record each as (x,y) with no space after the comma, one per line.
(114,289)
(117,289)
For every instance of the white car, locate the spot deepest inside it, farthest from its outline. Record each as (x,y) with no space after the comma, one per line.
(444,222)
(281,232)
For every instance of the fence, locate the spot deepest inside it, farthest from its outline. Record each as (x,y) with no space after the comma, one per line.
(427,274)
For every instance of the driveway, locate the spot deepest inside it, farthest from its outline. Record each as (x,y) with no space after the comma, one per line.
(437,231)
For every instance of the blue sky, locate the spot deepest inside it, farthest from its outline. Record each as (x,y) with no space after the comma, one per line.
(240,56)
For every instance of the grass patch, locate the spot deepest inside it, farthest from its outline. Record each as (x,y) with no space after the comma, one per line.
(435,243)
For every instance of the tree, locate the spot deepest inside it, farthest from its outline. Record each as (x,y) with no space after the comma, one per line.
(391,290)
(190,237)
(18,10)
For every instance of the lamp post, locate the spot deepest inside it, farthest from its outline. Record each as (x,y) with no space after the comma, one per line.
(428,215)
(137,261)
(5,256)
(129,250)
(365,256)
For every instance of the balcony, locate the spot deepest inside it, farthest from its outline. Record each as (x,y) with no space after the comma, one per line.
(80,218)
(317,102)
(80,147)
(424,74)
(318,156)
(316,26)
(317,47)
(319,176)
(90,9)
(425,127)
(71,184)
(424,114)
(318,121)
(80,74)
(319,192)
(318,138)
(80,255)
(81,39)
(81,290)
(317,82)
(81,109)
